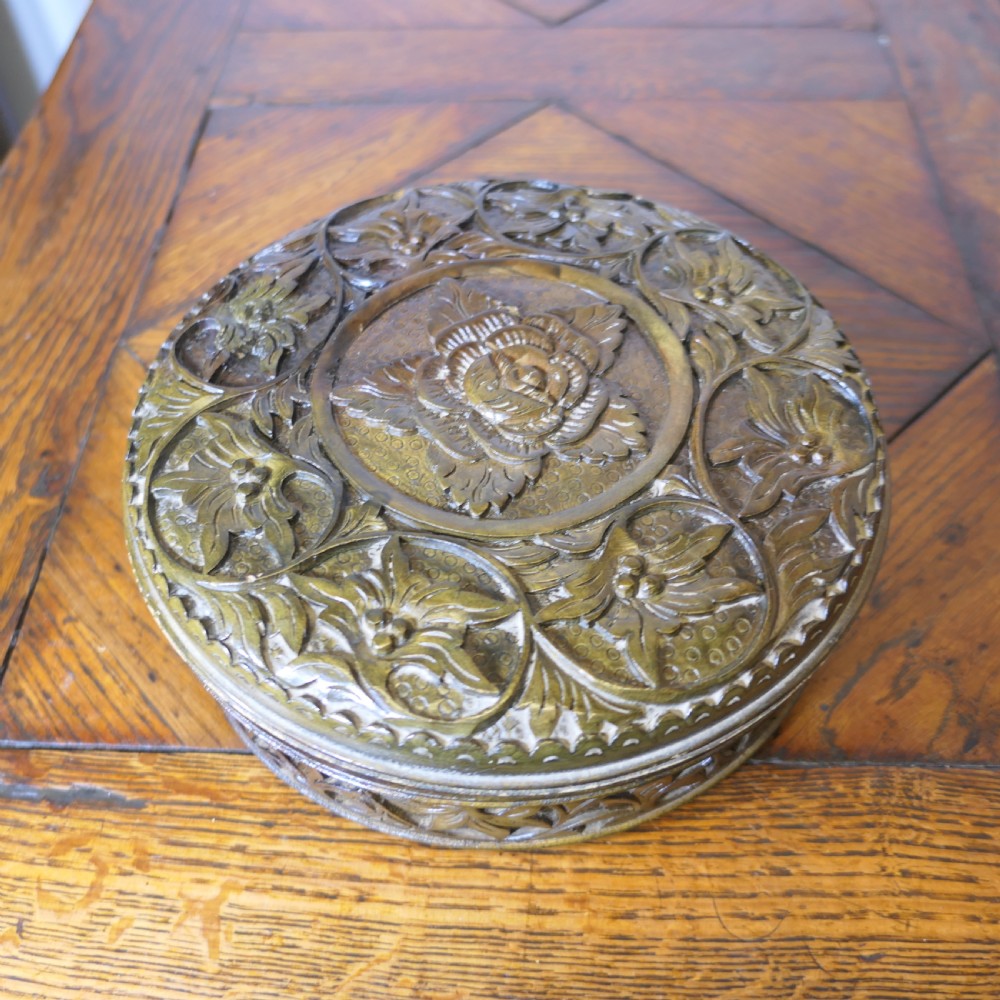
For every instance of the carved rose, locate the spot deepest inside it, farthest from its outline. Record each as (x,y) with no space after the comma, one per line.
(500,390)
(641,597)
(401,636)
(789,442)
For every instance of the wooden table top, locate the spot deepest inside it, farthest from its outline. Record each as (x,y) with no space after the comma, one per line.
(144,853)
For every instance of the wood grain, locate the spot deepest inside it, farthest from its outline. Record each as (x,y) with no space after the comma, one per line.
(72,191)
(916,676)
(947,56)
(846,177)
(300,163)
(91,665)
(626,64)
(731,14)
(349,15)
(134,875)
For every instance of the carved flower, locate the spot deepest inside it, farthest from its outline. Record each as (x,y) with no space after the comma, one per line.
(791,442)
(232,485)
(565,218)
(720,274)
(402,234)
(500,390)
(642,597)
(261,320)
(401,636)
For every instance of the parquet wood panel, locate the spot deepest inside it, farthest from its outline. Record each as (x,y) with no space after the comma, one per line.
(731,14)
(73,190)
(911,356)
(625,64)
(91,665)
(204,875)
(349,15)
(949,60)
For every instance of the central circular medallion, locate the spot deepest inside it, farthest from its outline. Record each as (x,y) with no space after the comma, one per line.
(502,398)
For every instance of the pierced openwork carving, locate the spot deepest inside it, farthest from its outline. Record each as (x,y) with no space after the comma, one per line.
(505,481)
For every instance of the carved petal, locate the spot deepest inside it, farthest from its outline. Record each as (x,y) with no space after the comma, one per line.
(580,419)
(510,448)
(698,596)
(790,479)
(688,553)
(619,432)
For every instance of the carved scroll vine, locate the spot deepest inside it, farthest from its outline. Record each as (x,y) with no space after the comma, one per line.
(447,822)
(595,640)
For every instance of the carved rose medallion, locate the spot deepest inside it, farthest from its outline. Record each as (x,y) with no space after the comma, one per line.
(505,512)
(498,391)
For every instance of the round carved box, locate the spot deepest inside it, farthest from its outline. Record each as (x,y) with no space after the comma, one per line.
(505,513)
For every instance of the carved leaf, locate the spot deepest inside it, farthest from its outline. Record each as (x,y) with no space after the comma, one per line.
(385,396)
(478,484)
(674,481)
(687,553)
(362,519)
(849,500)
(284,614)
(440,658)
(678,315)
(313,676)
(470,245)
(336,600)
(590,587)
(279,402)
(804,566)
(691,590)
(825,345)
(279,535)
(603,324)
(457,303)
(209,541)
(166,403)
(700,596)
(235,620)
(713,351)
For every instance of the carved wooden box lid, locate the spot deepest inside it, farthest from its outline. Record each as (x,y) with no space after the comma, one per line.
(505,512)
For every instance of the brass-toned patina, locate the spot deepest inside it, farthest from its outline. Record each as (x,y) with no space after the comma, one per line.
(505,512)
